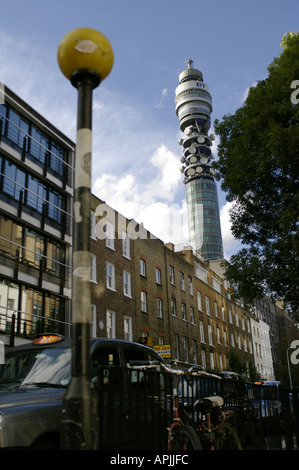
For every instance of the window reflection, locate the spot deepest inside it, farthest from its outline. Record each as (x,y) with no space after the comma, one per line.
(51,366)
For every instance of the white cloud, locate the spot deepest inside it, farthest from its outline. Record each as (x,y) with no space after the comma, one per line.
(151,203)
(230,244)
(161,102)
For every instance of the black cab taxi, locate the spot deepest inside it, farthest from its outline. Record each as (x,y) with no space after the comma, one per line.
(34,379)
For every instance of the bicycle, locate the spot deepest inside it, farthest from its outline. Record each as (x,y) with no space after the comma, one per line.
(186,437)
(181,436)
(213,429)
(212,432)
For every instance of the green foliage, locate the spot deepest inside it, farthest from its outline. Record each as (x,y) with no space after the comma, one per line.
(238,365)
(259,169)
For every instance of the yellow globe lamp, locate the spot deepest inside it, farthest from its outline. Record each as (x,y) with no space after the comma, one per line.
(85,50)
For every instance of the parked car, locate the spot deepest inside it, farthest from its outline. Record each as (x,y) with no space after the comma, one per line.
(34,379)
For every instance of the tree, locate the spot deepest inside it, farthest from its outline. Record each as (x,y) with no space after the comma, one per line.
(258,167)
(236,363)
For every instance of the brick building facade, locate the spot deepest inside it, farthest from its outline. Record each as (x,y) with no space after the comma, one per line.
(145,290)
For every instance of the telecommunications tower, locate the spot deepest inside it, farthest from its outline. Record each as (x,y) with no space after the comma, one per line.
(193,106)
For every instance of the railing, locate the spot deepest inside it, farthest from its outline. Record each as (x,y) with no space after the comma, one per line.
(22,258)
(135,410)
(27,325)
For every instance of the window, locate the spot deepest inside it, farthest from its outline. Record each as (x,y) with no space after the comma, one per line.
(217,285)
(110,235)
(127,283)
(216,309)
(126,252)
(190,285)
(225,338)
(143,301)
(201,332)
(17,128)
(39,145)
(184,313)
(212,365)
(203,359)
(194,351)
(210,338)
(36,194)
(14,180)
(93,271)
(182,281)
(93,225)
(201,273)
(199,301)
(128,332)
(158,276)
(192,316)
(223,313)
(110,319)
(159,307)
(34,246)
(173,307)
(218,335)
(56,158)
(171,274)
(142,267)
(176,346)
(54,206)
(110,276)
(186,349)
(208,306)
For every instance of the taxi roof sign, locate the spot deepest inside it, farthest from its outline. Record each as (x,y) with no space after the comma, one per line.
(47,339)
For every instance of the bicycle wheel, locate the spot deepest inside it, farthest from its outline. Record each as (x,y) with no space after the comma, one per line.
(226,438)
(185,438)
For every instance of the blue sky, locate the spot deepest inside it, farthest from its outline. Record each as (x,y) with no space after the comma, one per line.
(135,129)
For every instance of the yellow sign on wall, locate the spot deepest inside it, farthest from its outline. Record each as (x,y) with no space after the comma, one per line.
(163,350)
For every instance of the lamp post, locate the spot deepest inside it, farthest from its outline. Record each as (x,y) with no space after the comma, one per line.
(85,57)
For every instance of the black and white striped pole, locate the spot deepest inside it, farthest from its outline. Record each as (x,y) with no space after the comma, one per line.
(85,57)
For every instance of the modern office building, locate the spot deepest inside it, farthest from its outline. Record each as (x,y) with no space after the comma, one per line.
(193,106)
(36,192)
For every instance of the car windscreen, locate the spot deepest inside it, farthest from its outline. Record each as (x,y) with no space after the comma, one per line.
(50,366)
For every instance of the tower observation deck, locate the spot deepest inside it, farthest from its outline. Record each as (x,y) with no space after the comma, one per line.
(193,106)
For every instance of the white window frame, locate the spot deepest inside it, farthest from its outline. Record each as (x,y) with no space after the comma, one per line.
(110,235)
(142,267)
(110,324)
(158,276)
(127,284)
(159,307)
(202,331)
(126,248)
(210,335)
(110,276)
(208,310)
(128,330)
(171,275)
(93,268)
(143,299)
(199,301)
